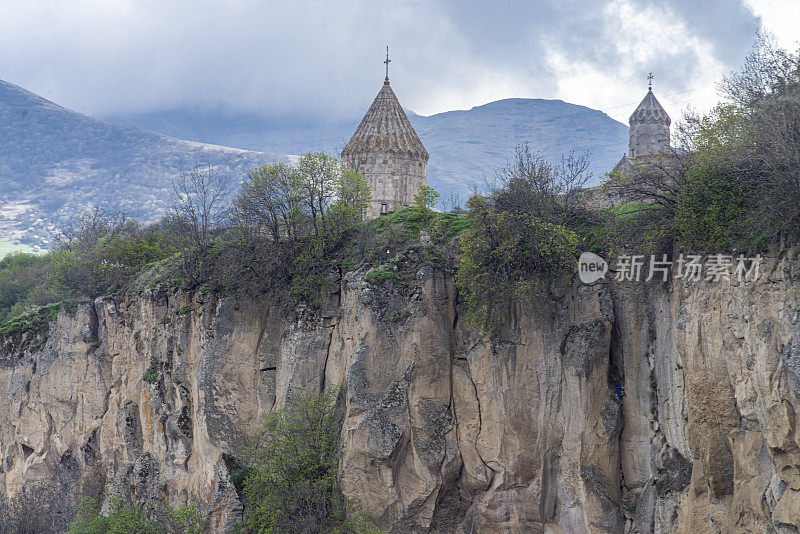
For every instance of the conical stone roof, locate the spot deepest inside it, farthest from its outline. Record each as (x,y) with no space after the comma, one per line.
(650,111)
(385,128)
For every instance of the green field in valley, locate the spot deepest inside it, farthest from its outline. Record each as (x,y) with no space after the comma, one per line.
(7,247)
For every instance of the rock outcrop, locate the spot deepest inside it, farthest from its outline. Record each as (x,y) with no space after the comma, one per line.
(446,429)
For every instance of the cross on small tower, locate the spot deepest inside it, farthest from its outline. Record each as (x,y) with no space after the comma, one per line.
(386,62)
(650,81)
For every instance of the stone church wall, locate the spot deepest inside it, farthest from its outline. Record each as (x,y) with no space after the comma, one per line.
(394,179)
(648,139)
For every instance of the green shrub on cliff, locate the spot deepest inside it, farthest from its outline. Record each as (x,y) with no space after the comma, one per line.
(426,197)
(104,261)
(291,484)
(712,208)
(520,237)
(507,256)
(20,274)
(127,518)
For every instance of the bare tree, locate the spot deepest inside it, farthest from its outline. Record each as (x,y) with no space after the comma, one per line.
(453,202)
(656,181)
(198,197)
(88,228)
(531,183)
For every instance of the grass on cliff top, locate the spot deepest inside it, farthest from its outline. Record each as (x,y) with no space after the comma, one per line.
(393,247)
(36,319)
(411,220)
(156,272)
(382,240)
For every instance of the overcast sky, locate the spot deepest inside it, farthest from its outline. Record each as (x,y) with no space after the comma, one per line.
(325,57)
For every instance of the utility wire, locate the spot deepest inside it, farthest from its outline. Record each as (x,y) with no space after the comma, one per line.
(680,68)
(663,96)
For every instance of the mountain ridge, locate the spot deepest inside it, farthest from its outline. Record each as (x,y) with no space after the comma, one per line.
(465,146)
(56,162)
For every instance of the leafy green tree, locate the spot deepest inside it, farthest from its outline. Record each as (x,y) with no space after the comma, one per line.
(426,197)
(317,198)
(507,256)
(320,178)
(292,460)
(272,197)
(308,209)
(352,202)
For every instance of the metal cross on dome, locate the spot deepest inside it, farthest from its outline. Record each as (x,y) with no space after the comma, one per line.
(649,77)
(387,62)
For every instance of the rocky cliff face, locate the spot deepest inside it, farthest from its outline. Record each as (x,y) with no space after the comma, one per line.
(445,429)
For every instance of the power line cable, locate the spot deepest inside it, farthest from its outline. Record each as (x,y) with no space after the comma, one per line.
(680,68)
(662,96)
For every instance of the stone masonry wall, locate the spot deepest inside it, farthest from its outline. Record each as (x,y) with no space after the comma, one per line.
(394,179)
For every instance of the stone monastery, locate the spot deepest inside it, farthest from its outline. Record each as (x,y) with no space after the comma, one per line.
(649,132)
(388,152)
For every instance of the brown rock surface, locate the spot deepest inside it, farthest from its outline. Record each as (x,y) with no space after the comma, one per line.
(446,429)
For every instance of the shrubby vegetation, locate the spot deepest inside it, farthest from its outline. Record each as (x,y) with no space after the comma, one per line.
(734,182)
(99,254)
(102,253)
(20,275)
(523,235)
(127,518)
(290,480)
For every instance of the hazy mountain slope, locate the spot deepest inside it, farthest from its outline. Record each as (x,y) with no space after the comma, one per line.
(55,162)
(465,146)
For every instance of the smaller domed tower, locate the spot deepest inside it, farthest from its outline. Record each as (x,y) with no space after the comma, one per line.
(388,152)
(649,132)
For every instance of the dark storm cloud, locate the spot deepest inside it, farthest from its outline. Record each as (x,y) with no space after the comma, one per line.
(325,57)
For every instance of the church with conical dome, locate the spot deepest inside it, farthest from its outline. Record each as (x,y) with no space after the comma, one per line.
(648,135)
(649,128)
(388,152)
